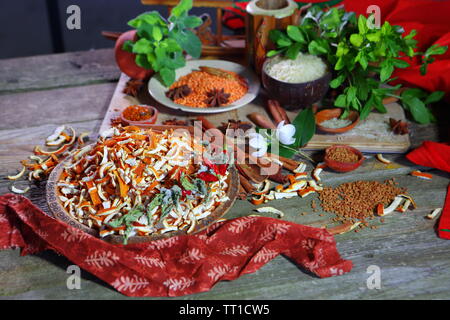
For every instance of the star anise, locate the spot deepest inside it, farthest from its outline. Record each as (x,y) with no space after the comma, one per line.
(398,126)
(235,125)
(178,92)
(175,122)
(133,87)
(217,98)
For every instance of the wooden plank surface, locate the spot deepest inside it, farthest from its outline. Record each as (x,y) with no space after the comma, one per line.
(414,262)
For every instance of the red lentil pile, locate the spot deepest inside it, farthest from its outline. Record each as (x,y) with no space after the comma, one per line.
(342,155)
(358,200)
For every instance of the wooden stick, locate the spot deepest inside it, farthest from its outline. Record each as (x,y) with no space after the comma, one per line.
(248,187)
(274,111)
(261,120)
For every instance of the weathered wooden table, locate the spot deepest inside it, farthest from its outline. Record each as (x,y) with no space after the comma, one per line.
(39,93)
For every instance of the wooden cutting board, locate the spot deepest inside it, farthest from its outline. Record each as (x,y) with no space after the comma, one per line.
(371,135)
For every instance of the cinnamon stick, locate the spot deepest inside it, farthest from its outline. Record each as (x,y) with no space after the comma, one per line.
(277,109)
(248,187)
(274,111)
(261,121)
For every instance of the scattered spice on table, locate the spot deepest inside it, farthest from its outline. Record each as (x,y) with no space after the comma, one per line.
(224,82)
(132,87)
(174,122)
(234,125)
(358,199)
(342,155)
(398,126)
(137,113)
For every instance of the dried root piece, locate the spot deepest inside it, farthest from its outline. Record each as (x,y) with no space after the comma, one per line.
(19,191)
(381,211)
(434,213)
(19,175)
(380,158)
(421,175)
(270,210)
(343,228)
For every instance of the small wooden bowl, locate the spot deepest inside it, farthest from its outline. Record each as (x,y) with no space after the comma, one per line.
(328,114)
(339,166)
(294,96)
(144,123)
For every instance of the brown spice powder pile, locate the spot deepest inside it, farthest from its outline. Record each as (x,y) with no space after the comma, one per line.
(358,199)
(342,155)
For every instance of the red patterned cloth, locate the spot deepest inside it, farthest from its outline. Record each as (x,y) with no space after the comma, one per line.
(174,266)
(436,155)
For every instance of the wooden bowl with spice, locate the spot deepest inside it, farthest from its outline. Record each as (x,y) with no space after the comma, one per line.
(139,115)
(329,121)
(343,158)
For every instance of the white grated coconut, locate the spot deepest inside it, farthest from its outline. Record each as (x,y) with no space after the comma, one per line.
(304,68)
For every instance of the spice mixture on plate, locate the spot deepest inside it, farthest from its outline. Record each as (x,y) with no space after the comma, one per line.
(208,87)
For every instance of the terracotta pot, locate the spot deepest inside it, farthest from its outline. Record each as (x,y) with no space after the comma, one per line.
(343,166)
(328,114)
(126,60)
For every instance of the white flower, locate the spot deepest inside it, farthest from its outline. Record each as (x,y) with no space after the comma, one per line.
(285,133)
(259,143)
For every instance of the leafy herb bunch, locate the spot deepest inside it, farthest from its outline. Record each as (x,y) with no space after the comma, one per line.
(363,59)
(161,43)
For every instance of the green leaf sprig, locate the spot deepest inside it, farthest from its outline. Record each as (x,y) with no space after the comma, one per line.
(161,43)
(363,58)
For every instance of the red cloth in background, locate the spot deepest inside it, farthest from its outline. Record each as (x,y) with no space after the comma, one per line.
(178,265)
(430,18)
(436,155)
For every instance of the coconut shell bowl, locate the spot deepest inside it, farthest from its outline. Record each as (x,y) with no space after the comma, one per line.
(294,96)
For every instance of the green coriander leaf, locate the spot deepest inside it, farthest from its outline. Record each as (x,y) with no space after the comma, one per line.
(374,36)
(418,110)
(386,72)
(157,33)
(295,34)
(128,46)
(142,61)
(336,82)
(142,46)
(400,63)
(341,101)
(188,41)
(292,51)
(434,97)
(167,76)
(362,24)
(315,48)
(181,8)
(192,22)
(356,39)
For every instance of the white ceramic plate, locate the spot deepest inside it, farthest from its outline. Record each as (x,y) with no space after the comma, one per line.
(158,90)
